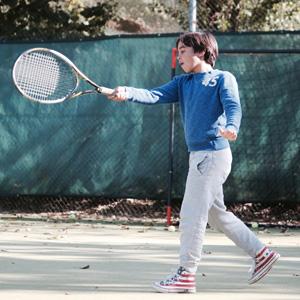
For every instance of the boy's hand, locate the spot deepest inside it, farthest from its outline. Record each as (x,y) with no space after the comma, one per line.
(228,134)
(120,94)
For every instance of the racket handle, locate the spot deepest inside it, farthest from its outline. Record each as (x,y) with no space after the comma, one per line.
(106,91)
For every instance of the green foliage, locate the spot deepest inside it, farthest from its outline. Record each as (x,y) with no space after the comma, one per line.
(237,15)
(57,19)
(45,19)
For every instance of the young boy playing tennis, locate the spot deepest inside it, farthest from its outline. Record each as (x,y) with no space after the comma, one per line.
(211,114)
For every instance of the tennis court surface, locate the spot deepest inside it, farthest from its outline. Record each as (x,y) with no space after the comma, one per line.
(48,260)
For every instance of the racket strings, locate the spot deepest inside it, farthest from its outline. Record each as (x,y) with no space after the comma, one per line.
(45,77)
(38,76)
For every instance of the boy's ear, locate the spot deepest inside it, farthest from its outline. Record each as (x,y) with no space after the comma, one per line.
(200,54)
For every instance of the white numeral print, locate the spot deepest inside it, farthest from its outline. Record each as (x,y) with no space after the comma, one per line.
(210,81)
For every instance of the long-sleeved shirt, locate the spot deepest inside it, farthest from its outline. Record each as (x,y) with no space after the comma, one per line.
(207,101)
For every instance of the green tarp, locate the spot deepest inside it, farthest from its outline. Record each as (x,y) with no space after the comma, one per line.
(96,147)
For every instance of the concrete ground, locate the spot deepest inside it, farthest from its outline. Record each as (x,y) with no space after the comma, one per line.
(47,260)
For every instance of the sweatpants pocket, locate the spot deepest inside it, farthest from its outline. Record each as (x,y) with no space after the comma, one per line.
(201,163)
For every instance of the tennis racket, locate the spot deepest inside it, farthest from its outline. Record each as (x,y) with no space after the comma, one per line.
(47,76)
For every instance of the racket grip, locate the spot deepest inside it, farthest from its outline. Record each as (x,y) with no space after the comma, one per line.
(106,91)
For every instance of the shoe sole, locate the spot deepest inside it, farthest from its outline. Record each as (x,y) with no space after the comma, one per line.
(173,290)
(266,271)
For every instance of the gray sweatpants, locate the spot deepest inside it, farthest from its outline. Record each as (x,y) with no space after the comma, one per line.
(204,203)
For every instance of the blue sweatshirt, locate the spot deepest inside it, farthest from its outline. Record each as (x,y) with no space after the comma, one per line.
(207,101)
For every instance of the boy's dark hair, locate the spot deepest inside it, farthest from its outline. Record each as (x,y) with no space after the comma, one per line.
(201,41)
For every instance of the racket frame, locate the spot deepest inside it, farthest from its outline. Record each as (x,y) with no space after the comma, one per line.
(98,89)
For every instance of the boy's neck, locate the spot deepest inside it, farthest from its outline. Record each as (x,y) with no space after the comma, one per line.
(204,68)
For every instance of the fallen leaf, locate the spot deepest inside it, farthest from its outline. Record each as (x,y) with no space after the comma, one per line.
(86,267)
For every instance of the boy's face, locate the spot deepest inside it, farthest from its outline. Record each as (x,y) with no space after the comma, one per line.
(188,59)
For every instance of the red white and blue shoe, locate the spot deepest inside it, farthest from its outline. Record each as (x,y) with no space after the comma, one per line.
(180,281)
(263,262)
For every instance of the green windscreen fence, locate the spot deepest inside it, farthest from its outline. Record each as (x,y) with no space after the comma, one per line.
(94,146)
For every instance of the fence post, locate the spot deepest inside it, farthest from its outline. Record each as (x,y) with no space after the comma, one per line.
(171,142)
(193,15)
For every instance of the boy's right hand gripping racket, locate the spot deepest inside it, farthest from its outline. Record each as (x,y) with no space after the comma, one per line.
(47,76)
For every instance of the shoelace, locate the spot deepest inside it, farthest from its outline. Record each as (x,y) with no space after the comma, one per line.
(174,275)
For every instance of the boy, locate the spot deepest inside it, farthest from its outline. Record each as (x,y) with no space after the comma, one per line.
(211,114)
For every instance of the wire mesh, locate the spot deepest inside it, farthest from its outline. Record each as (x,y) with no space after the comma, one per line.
(136,211)
(119,151)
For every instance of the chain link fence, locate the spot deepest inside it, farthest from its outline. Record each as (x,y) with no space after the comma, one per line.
(99,160)
(136,211)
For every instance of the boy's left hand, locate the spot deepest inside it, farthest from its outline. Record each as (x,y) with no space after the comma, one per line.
(228,134)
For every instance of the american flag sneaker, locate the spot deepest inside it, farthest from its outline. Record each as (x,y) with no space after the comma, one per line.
(180,281)
(263,262)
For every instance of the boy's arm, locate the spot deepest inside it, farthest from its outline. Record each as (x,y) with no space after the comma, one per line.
(165,94)
(232,107)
